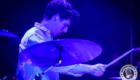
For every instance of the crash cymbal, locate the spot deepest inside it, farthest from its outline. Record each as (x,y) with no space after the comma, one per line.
(74,51)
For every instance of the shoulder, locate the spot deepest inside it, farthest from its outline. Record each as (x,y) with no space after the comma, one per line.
(28,33)
(31,31)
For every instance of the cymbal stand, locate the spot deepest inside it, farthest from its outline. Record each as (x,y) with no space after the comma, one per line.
(57,62)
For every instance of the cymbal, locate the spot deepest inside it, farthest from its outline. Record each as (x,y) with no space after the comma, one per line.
(115,78)
(9,36)
(74,51)
(6,33)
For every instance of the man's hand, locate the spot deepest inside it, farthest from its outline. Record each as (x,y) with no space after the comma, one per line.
(97,70)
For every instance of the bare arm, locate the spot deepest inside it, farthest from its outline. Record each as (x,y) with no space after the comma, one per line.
(79,69)
(95,70)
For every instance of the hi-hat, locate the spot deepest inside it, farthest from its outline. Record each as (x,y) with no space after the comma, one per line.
(6,33)
(7,38)
(74,51)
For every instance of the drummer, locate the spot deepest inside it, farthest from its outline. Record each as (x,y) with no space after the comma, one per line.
(57,18)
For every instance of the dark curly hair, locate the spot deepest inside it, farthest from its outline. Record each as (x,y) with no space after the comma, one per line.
(63,8)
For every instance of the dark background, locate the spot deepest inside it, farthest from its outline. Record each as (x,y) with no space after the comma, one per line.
(113,24)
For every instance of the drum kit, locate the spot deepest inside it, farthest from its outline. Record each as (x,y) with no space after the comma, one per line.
(60,52)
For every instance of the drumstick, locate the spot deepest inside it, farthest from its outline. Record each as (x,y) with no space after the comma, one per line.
(126,53)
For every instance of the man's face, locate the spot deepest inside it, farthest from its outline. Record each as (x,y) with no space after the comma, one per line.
(60,26)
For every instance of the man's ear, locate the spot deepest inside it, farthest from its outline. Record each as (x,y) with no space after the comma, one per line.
(56,17)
